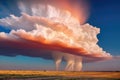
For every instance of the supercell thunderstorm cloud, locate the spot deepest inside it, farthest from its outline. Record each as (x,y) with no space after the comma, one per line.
(50,32)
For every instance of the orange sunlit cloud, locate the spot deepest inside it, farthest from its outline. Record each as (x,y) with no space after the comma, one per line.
(47,30)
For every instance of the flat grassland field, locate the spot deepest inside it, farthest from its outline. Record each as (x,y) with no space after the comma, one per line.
(57,75)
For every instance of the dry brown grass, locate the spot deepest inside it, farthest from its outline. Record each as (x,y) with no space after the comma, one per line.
(63,73)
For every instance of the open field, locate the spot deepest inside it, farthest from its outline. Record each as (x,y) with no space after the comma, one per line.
(57,75)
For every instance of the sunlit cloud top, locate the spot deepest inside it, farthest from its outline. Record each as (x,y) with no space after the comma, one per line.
(46,30)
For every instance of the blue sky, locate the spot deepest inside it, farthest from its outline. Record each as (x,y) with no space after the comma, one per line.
(104,14)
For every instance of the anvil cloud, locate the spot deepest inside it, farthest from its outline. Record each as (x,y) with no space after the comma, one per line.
(51,33)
